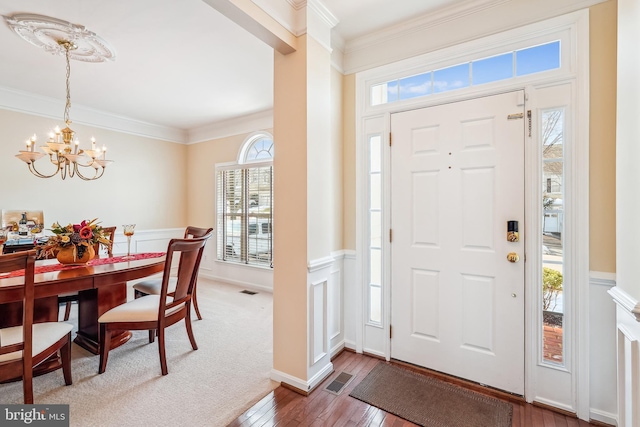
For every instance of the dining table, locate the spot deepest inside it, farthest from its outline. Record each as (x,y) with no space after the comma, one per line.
(100,284)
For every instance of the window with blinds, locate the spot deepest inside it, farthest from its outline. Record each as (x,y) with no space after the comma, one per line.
(245,207)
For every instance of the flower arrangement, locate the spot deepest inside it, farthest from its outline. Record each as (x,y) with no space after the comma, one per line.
(79,237)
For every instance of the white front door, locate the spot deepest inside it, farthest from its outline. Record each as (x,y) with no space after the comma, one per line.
(457,178)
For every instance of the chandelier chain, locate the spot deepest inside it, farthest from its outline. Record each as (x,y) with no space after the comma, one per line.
(67,107)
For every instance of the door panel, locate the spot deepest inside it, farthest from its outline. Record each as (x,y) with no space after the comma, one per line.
(457,177)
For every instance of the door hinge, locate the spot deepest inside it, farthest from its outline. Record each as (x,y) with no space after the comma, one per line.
(389,139)
(390,333)
(529,118)
(390,235)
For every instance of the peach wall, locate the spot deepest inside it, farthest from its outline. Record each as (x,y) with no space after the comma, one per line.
(201,176)
(290,213)
(145,185)
(602,130)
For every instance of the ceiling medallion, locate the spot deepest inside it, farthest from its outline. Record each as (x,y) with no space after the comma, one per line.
(46,32)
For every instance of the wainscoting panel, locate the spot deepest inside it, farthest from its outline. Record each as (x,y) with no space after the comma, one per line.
(146,240)
(628,336)
(318,324)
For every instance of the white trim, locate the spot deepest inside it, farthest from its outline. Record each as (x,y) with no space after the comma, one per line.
(337,348)
(248,143)
(581,214)
(27,103)
(408,27)
(318,330)
(349,254)
(319,263)
(625,301)
(603,417)
(602,278)
(300,384)
(230,127)
(450,27)
(573,30)
(339,255)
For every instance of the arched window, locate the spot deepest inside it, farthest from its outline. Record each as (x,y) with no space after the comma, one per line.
(245,204)
(257,147)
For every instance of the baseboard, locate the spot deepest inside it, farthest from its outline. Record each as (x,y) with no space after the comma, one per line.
(554,406)
(374,353)
(298,385)
(602,418)
(241,284)
(337,349)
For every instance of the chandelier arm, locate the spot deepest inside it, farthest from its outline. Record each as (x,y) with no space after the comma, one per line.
(63,170)
(79,174)
(33,170)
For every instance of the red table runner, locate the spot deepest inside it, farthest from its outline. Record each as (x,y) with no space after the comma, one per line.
(97,261)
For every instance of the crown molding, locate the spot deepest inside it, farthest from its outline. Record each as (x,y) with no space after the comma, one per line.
(235,126)
(288,13)
(294,14)
(28,103)
(451,26)
(422,22)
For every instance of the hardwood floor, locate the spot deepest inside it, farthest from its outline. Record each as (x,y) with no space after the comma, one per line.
(283,407)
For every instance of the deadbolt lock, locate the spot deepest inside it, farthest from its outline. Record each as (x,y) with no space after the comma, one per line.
(513,257)
(512,231)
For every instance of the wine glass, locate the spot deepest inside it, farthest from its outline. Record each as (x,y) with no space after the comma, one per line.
(128,231)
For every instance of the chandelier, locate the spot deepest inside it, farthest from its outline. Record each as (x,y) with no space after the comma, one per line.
(62,147)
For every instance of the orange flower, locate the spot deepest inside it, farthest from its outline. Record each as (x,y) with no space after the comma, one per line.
(85,232)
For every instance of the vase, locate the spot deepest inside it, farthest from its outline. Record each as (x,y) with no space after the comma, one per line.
(69,256)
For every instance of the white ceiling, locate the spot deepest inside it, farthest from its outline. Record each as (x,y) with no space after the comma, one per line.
(179,63)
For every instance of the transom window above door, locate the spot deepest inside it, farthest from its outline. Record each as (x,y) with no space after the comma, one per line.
(508,65)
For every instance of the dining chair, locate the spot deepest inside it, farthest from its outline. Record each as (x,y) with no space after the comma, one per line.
(157,312)
(25,346)
(109,233)
(68,299)
(152,286)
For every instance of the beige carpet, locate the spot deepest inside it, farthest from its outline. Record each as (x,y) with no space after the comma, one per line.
(429,402)
(208,387)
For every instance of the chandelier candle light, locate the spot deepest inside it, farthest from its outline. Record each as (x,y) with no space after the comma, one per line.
(61,147)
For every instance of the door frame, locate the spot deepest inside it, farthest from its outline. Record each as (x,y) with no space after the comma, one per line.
(574,30)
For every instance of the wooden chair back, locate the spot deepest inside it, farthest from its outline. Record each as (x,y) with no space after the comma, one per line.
(8,263)
(110,233)
(190,251)
(191,232)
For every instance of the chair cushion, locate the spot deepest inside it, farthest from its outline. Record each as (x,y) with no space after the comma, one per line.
(44,335)
(143,309)
(153,286)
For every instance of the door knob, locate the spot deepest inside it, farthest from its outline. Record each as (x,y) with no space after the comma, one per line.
(513,257)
